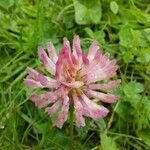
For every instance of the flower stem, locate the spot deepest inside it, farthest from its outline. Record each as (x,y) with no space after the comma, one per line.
(71,129)
(111,118)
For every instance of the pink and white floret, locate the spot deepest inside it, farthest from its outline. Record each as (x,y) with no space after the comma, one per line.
(77,79)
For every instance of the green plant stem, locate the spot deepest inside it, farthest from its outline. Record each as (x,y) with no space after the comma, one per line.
(71,129)
(111,118)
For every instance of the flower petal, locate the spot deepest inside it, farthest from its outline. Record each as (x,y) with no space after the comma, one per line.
(105,86)
(64,61)
(44,99)
(101,71)
(59,69)
(93,110)
(52,52)
(101,68)
(66,44)
(67,54)
(76,46)
(32,83)
(32,73)
(92,50)
(85,59)
(77,51)
(107,98)
(63,115)
(51,110)
(47,62)
(39,100)
(78,112)
(36,79)
(76,84)
(48,82)
(92,64)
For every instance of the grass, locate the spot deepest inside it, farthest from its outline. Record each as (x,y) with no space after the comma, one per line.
(122,29)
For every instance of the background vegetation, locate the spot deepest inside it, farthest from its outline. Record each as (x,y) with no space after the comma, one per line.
(122,28)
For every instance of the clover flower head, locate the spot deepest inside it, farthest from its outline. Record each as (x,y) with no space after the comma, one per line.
(74,83)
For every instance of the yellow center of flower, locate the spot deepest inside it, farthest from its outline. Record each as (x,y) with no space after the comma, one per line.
(74,75)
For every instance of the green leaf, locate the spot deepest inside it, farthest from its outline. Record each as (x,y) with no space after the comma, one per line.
(114,7)
(131,38)
(145,135)
(6,3)
(98,35)
(122,112)
(87,12)
(89,32)
(140,38)
(127,56)
(125,36)
(101,124)
(132,92)
(144,55)
(133,88)
(107,143)
(143,115)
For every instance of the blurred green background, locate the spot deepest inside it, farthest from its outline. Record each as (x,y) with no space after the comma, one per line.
(122,28)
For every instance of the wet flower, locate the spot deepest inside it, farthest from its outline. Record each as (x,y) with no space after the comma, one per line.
(74,83)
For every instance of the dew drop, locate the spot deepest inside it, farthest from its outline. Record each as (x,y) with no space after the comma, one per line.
(93,76)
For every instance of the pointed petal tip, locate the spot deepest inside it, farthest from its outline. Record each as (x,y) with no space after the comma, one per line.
(33,97)
(105,110)
(119,81)
(49,43)
(40,49)
(80,125)
(95,44)
(29,69)
(76,39)
(65,39)
(116,83)
(76,36)
(32,83)
(57,125)
(112,98)
(41,52)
